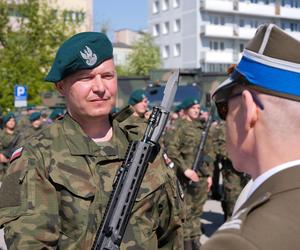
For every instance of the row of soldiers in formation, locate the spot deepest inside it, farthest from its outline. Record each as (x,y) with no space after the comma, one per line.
(14,132)
(179,144)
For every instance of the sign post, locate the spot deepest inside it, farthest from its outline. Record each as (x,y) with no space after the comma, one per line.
(20,93)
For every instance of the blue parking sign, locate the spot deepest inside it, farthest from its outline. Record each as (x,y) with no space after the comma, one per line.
(20,93)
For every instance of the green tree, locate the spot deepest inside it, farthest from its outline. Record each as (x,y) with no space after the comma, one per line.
(27,50)
(144,57)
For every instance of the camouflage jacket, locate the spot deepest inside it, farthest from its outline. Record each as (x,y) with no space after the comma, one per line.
(58,185)
(8,142)
(182,144)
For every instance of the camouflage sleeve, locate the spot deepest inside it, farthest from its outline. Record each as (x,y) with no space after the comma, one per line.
(29,208)
(156,221)
(173,149)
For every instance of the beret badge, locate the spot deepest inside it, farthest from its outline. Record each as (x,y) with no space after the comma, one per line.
(89,57)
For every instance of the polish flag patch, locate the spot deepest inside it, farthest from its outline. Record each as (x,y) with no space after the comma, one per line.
(16,154)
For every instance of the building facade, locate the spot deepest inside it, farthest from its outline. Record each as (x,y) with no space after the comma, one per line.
(211,34)
(76,11)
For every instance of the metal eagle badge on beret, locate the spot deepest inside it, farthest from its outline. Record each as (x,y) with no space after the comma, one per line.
(89,57)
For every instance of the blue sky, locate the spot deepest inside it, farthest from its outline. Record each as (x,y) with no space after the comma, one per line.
(120,14)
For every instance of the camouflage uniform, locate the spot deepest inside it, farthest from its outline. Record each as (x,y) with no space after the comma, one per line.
(56,192)
(181,148)
(233,181)
(28,132)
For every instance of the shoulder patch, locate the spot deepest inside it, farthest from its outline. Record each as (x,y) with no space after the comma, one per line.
(16,154)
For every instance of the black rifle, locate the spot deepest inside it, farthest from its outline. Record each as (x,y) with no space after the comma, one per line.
(199,159)
(131,173)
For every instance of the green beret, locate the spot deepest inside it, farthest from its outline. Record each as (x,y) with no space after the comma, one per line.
(56,113)
(30,107)
(137,96)
(84,50)
(7,117)
(187,103)
(178,108)
(34,116)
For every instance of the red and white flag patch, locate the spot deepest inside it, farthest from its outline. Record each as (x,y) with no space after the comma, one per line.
(16,154)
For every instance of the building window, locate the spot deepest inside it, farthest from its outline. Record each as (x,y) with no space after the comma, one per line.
(242,23)
(216,45)
(156,30)
(177,49)
(165,5)
(176,3)
(241,47)
(166,51)
(165,28)
(295,27)
(217,20)
(291,3)
(177,25)
(155,7)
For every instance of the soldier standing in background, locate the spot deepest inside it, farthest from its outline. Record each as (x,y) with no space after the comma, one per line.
(62,177)
(137,122)
(24,123)
(9,138)
(36,125)
(181,149)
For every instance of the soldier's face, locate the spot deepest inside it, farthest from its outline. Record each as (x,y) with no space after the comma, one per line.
(194,111)
(11,123)
(141,107)
(37,123)
(90,93)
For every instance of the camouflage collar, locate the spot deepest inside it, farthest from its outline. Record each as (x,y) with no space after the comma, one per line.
(80,144)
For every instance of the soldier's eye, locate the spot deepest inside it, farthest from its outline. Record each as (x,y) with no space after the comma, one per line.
(108,76)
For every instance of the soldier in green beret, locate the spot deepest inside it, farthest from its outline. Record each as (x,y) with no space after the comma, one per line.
(36,125)
(62,177)
(24,122)
(56,113)
(9,138)
(137,122)
(260,102)
(181,148)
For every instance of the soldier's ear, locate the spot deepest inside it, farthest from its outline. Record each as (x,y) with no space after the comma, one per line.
(60,86)
(250,110)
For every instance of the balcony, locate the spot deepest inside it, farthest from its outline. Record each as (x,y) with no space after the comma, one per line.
(217,5)
(217,57)
(257,9)
(246,33)
(290,13)
(221,31)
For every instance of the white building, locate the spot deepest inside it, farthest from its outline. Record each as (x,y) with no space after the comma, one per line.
(123,41)
(210,34)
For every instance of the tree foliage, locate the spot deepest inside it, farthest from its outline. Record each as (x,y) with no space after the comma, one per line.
(144,57)
(27,51)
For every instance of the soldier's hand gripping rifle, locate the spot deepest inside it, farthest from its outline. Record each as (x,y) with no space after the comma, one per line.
(199,159)
(131,173)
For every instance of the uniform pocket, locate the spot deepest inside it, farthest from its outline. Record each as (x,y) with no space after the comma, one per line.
(13,196)
(76,193)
